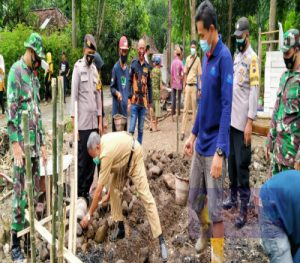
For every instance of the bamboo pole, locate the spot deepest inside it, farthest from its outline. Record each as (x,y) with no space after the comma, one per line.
(54,172)
(73,219)
(60,181)
(29,182)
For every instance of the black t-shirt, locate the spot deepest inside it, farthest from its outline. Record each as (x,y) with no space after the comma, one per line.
(64,67)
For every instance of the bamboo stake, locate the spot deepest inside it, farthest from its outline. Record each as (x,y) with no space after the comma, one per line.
(54,172)
(60,182)
(29,187)
(73,219)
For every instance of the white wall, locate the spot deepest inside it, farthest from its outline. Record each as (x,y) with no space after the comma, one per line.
(273,70)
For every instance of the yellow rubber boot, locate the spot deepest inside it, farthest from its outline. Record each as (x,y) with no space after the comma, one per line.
(202,241)
(204,217)
(217,250)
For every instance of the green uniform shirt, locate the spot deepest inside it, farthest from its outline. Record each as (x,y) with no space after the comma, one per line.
(23,94)
(156,81)
(284,135)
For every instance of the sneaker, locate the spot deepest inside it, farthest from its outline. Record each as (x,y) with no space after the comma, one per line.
(17,255)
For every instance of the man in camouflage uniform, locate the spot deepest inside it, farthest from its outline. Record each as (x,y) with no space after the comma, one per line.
(244,110)
(156,88)
(23,95)
(284,136)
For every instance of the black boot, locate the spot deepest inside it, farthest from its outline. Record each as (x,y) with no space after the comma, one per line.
(163,249)
(16,252)
(231,202)
(119,232)
(242,218)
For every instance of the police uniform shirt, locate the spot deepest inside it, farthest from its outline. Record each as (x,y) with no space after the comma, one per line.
(86,91)
(245,88)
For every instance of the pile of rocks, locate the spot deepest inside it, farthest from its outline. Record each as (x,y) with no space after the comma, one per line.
(259,168)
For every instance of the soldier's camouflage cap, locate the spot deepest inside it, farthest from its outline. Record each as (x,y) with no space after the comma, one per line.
(290,39)
(35,42)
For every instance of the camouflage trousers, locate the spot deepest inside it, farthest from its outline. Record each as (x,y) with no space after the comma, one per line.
(277,168)
(19,204)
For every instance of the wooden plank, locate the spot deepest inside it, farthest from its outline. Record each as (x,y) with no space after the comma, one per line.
(68,255)
(260,129)
(6,177)
(270,42)
(42,222)
(269,32)
(6,195)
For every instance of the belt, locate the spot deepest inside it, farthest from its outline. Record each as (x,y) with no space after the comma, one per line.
(191,84)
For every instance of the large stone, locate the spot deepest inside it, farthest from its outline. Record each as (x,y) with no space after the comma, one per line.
(90,232)
(44,253)
(144,255)
(127,196)
(79,230)
(169,180)
(101,232)
(79,242)
(155,171)
(124,208)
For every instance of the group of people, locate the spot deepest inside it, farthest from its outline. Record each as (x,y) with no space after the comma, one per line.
(227,91)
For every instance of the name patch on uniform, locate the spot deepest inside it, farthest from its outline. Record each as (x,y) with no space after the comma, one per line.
(145,70)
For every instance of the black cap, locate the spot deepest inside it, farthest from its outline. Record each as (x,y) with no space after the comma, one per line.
(89,42)
(241,26)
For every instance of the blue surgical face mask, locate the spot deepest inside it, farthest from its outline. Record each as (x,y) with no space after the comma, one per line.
(96,160)
(193,51)
(205,46)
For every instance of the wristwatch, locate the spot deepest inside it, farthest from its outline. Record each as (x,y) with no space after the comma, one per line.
(220,152)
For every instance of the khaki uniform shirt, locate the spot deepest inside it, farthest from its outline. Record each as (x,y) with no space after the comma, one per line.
(115,152)
(245,88)
(86,91)
(195,71)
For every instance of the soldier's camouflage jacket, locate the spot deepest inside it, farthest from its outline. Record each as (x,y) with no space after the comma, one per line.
(284,135)
(23,95)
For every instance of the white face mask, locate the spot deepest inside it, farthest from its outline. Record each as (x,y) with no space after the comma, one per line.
(193,51)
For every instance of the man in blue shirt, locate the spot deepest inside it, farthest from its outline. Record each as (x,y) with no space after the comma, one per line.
(119,85)
(210,134)
(279,217)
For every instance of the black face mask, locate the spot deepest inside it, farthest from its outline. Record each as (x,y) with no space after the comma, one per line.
(290,62)
(124,59)
(90,58)
(241,45)
(36,62)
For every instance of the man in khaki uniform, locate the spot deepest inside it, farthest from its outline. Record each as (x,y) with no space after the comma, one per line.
(120,155)
(192,71)
(87,92)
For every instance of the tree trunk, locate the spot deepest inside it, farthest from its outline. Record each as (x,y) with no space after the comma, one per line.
(100,19)
(230,4)
(169,40)
(272,21)
(74,37)
(193,11)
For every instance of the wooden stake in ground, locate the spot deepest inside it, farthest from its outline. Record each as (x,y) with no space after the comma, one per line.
(72,218)
(29,182)
(60,181)
(54,172)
